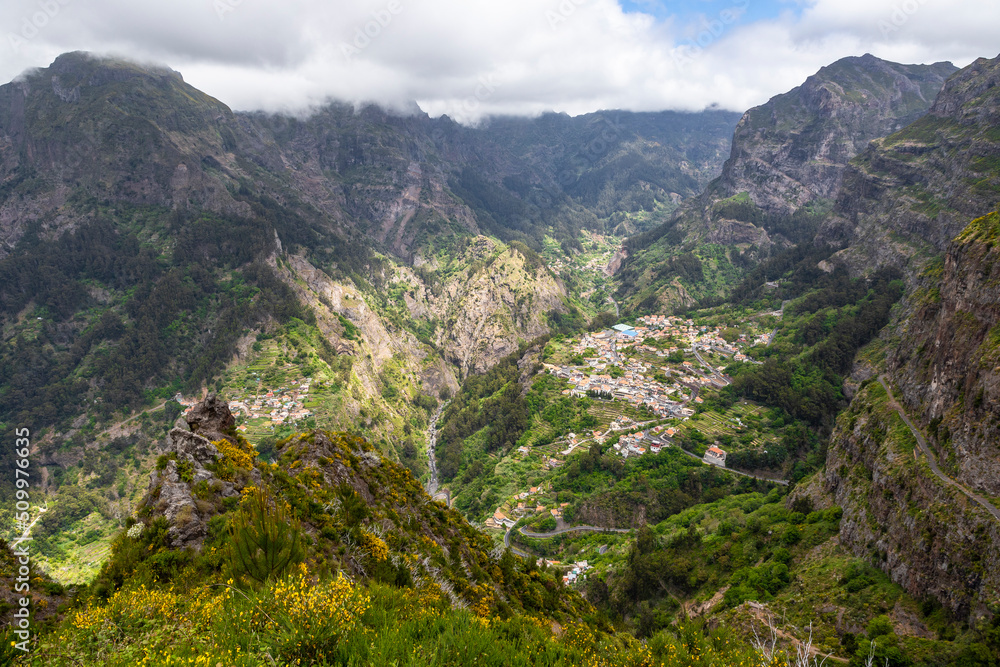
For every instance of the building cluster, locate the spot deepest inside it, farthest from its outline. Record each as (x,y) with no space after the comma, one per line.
(280,406)
(698,338)
(575,573)
(521,506)
(636,383)
(651,441)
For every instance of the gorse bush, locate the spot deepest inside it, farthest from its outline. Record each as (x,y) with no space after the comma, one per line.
(265,540)
(302,619)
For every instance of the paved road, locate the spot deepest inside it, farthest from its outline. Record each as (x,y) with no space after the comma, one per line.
(987,505)
(712,371)
(782,482)
(518,552)
(596,529)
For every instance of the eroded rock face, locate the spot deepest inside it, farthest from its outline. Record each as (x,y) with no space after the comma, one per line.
(906,196)
(192,447)
(212,419)
(790,155)
(949,373)
(191,455)
(929,538)
(944,361)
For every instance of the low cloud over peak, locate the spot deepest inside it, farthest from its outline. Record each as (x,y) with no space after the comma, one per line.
(470,59)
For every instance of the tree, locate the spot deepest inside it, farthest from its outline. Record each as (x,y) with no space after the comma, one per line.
(265,539)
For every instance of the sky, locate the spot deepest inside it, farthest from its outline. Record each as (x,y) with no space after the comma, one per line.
(474,58)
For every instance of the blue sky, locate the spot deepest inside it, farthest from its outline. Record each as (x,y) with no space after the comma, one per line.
(688,11)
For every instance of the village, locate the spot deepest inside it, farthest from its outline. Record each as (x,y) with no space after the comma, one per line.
(626,348)
(632,365)
(276,407)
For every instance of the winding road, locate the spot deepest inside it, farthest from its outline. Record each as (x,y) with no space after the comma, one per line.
(518,552)
(715,373)
(572,529)
(782,482)
(987,505)
(545,536)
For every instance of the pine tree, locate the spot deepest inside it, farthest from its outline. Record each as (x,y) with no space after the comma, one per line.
(265,539)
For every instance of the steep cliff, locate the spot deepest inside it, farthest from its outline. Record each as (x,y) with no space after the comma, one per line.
(948,371)
(909,194)
(928,535)
(794,149)
(786,166)
(907,201)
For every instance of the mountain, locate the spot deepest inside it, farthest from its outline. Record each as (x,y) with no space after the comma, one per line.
(367,291)
(133,165)
(909,201)
(910,193)
(787,162)
(155,245)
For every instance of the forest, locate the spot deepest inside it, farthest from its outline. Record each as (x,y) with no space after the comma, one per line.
(118,322)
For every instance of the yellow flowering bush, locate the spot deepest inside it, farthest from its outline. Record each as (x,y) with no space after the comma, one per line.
(239,456)
(374,545)
(305,619)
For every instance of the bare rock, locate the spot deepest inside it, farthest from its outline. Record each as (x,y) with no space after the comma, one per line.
(212,419)
(192,447)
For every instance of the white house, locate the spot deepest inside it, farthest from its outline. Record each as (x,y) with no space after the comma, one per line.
(715,456)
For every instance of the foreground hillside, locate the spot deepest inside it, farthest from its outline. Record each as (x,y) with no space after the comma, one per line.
(330,555)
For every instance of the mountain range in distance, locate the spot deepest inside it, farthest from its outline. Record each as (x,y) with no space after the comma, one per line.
(225,326)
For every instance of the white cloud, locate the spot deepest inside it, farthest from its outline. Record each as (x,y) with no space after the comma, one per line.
(468,58)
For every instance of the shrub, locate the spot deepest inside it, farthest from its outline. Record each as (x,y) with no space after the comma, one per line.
(265,540)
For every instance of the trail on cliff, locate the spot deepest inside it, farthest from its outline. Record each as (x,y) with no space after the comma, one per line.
(989,507)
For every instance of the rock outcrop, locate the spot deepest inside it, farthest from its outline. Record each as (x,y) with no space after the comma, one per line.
(949,370)
(212,419)
(190,460)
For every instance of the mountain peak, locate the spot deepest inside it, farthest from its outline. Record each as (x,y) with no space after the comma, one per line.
(95,69)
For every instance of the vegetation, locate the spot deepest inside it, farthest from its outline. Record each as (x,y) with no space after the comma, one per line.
(264,540)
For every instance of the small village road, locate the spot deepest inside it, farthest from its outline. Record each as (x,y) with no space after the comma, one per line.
(518,552)
(782,482)
(987,505)
(594,529)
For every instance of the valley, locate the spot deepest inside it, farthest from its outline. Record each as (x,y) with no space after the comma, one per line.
(483,391)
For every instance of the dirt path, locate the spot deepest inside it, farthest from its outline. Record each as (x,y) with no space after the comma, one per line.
(111,428)
(987,505)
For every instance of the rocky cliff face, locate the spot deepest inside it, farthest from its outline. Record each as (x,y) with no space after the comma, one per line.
(930,538)
(948,371)
(909,194)
(500,298)
(907,201)
(786,166)
(794,149)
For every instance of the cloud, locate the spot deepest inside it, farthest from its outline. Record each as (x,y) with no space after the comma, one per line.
(470,58)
